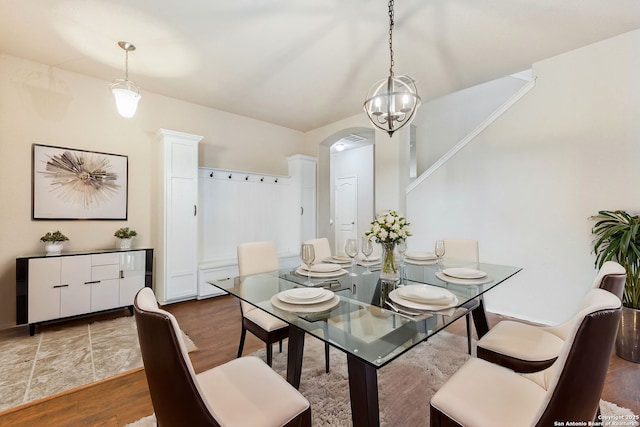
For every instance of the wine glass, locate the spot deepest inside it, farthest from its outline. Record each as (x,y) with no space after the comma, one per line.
(402,248)
(367,249)
(439,250)
(351,249)
(308,255)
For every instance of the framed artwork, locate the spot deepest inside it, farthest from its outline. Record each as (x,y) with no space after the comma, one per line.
(78,184)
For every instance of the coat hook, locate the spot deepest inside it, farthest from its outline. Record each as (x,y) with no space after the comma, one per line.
(211,175)
(246,178)
(276,180)
(229,176)
(262,179)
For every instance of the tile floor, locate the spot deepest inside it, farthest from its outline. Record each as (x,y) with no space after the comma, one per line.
(62,357)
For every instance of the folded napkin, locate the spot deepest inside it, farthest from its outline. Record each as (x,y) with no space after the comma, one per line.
(420,256)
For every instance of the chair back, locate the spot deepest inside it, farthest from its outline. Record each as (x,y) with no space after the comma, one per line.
(461,250)
(175,393)
(611,277)
(575,381)
(321,248)
(257,257)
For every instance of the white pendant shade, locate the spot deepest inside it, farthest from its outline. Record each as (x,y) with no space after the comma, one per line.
(126,100)
(126,92)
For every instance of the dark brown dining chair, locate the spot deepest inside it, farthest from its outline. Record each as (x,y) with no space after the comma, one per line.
(482,393)
(525,347)
(242,392)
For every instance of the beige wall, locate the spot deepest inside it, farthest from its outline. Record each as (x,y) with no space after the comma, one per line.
(527,185)
(45,105)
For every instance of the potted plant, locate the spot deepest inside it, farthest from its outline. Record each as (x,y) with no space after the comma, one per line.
(53,241)
(124,236)
(618,239)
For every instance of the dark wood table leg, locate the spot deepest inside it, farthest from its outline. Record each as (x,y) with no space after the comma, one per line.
(363,391)
(294,356)
(480,319)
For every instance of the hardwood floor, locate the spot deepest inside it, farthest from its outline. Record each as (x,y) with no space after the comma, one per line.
(214,325)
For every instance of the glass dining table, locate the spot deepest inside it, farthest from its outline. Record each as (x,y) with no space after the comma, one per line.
(361,316)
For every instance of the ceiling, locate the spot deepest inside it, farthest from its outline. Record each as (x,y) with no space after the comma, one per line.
(302,64)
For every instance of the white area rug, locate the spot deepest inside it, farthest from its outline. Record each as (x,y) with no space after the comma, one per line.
(405,385)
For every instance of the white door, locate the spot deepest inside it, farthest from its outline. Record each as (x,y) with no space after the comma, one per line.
(44,289)
(75,298)
(346,198)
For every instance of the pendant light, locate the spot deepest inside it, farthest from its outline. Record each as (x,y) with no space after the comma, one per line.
(126,92)
(392,102)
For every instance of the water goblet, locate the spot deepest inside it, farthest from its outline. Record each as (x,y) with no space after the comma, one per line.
(402,248)
(367,250)
(439,250)
(308,256)
(351,249)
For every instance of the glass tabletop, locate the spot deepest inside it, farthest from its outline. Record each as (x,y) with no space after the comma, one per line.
(361,315)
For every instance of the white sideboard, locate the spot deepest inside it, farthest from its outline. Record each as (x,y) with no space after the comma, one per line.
(61,286)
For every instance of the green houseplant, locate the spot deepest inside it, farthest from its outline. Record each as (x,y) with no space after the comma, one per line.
(618,239)
(124,236)
(53,241)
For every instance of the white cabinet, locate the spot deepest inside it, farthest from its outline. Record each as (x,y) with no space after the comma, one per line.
(56,287)
(178,208)
(303,174)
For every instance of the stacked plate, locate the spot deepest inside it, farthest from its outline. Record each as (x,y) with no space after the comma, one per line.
(420,258)
(463,276)
(372,260)
(339,259)
(322,270)
(305,300)
(423,297)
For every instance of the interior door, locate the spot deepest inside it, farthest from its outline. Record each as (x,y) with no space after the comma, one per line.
(346,210)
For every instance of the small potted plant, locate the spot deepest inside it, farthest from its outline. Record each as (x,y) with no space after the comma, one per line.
(53,241)
(124,236)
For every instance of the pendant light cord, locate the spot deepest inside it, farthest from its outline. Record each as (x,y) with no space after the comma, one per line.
(391,37)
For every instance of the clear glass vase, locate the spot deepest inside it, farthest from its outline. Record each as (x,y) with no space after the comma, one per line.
(389,271)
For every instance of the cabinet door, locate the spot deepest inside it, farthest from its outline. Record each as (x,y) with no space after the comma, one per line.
(132,275)
(105,281)
(44,289)
(182,223)
(76,297)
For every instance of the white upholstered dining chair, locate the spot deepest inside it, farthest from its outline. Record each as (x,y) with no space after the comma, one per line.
(255,258)
(321,248)
(466,251)
(461,250)
(525,347)
(482,393)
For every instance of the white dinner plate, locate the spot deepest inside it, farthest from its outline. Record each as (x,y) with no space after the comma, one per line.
(464,273)
(300,271)
(426,294)
(284,296)
(420,256)
(456,281)
(370,263)
(301,294)
(420,306)
(323,267)
(305,308)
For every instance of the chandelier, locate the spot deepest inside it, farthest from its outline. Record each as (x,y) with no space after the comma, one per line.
(126,92)
(392,102)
